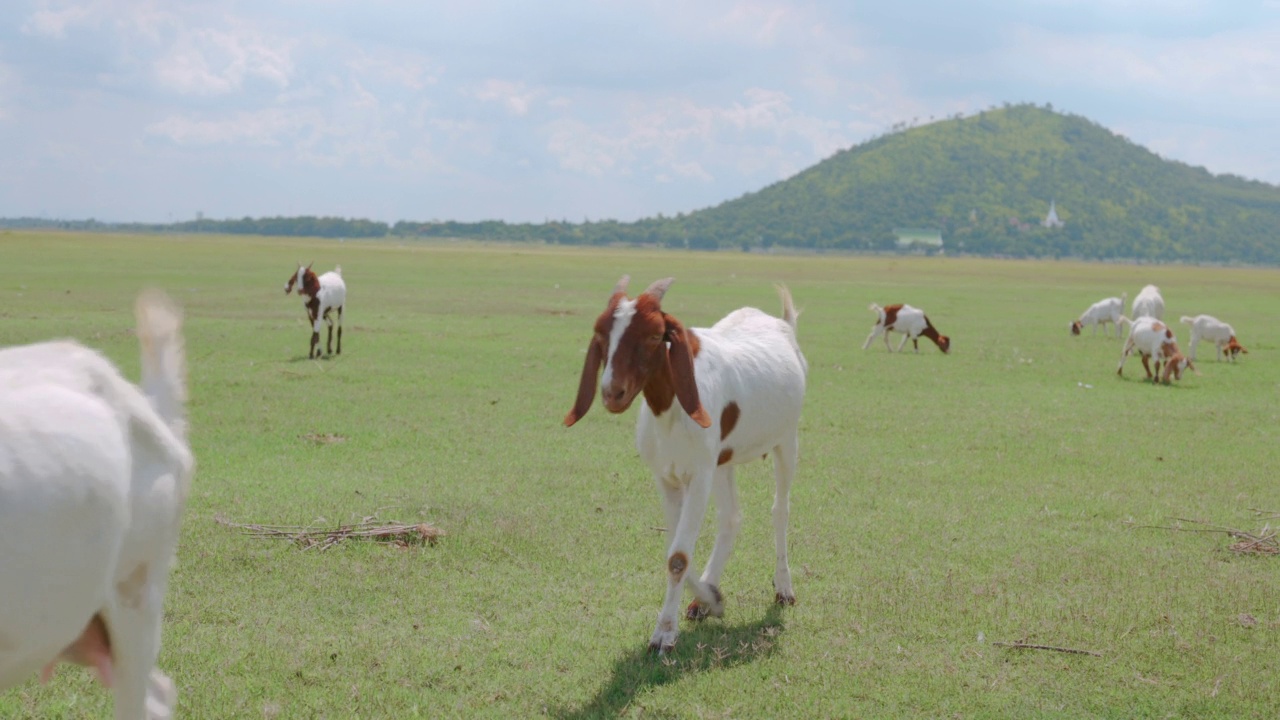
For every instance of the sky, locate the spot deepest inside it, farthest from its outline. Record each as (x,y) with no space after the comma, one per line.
(469,110)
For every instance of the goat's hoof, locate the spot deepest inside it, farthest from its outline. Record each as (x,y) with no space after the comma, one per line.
(784,598)
(699,610)
(661,648)
(664,636)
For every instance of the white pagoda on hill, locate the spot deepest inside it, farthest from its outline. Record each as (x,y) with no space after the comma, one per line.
(1051,220)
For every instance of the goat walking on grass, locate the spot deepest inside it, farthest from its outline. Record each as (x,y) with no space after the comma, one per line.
(910,321)
(94,474)
(713,398)
(320,296)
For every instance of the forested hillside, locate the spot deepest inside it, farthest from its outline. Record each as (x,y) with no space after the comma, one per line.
(986,183)
(983,184)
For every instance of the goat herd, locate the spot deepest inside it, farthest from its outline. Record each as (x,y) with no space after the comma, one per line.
(1149,336)
(105,464)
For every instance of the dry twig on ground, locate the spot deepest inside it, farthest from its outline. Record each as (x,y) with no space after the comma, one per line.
(1019,645)
(369,528)
(1264,542)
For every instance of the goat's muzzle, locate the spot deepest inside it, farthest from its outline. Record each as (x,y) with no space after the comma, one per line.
(616,398)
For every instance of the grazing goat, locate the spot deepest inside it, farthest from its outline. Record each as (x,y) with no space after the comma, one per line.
(1148,303)
(1222,335)
(1154,340)
(739,386)
(911,322)
(1100,313)
(320,296)
(94,474)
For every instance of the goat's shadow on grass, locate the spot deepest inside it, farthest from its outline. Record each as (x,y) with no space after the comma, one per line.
(709,645)
(304,358)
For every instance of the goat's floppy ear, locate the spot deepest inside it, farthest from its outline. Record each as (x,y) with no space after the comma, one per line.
(680,358)
(587,385)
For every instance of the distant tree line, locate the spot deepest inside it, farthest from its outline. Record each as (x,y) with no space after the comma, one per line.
(984,182)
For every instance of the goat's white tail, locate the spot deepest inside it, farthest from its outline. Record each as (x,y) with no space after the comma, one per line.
(1124,297)
(164,363)
(789,312)
(1188,320)
(338,269)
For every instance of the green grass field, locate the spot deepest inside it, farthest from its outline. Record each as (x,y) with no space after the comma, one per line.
(943,503)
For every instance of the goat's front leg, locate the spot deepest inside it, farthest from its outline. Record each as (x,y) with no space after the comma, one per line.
(905,338)
(684,535)
(314,352)
(874,332)
(709,600)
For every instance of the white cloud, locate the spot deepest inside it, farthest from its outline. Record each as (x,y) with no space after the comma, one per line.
(53,22)
(514,96)
(215,62)
(1238,65)
(262,127)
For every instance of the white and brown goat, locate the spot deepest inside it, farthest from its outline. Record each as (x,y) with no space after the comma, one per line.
(713,398)
(320,296)
(1154,341)
(1107,310)
(1222,335)
(910,321)
(94,474)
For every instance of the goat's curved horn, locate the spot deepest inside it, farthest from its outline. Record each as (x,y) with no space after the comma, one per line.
(659,288)
(621,287)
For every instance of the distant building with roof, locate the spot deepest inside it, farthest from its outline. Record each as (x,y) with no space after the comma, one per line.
(918,238)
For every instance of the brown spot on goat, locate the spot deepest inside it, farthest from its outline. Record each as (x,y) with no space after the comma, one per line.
(729,419)
(725,456)
(676,565)
(891,315)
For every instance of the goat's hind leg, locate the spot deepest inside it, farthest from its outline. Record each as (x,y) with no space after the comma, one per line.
(877,330)
(339,329)
(141,691)
(785,457)
(709,601)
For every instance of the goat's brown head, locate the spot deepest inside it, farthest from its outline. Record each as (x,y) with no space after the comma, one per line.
(1175,365)
(304,279)
(944,343)
(1075,327)
(1233,347)
(642,349)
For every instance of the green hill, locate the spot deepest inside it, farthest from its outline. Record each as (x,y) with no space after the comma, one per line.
(980,185)
(986,183)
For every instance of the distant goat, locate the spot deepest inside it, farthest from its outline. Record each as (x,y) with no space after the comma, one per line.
(713,398)
(1222,335)
(1155,342)
(94,474)
(1100,313)
(1148,303)
(911,322)
(320,296)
